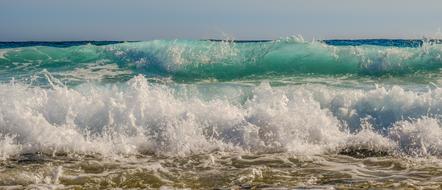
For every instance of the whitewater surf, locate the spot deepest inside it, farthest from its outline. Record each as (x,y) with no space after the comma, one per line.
(201,114)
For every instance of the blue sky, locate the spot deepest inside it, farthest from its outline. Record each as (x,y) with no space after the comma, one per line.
(22,20)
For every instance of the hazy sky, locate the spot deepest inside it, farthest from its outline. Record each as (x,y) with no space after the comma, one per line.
(196,19)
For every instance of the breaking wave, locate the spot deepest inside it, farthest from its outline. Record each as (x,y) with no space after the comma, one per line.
(189,60)
(141,117)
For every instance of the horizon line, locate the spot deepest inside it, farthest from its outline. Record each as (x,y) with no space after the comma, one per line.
(218,40)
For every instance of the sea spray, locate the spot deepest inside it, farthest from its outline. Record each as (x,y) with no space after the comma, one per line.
(142,117)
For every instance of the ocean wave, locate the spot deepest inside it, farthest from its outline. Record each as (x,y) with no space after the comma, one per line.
(186,60)
(139,117)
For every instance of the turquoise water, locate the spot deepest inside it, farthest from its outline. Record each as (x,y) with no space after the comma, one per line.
(221,114)
(198,60)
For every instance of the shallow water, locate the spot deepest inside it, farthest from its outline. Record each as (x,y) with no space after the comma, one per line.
(221,170)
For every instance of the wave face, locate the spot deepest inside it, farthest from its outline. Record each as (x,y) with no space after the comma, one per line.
(339,112)
(184,60)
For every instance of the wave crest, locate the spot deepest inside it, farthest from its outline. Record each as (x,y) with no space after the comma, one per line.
(186,60)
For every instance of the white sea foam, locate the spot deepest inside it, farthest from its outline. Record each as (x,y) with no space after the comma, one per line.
(140,117)
(94,72)
(419,137)
(8,147)
(3,53)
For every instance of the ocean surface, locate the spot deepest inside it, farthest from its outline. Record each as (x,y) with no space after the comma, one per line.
(215,114)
